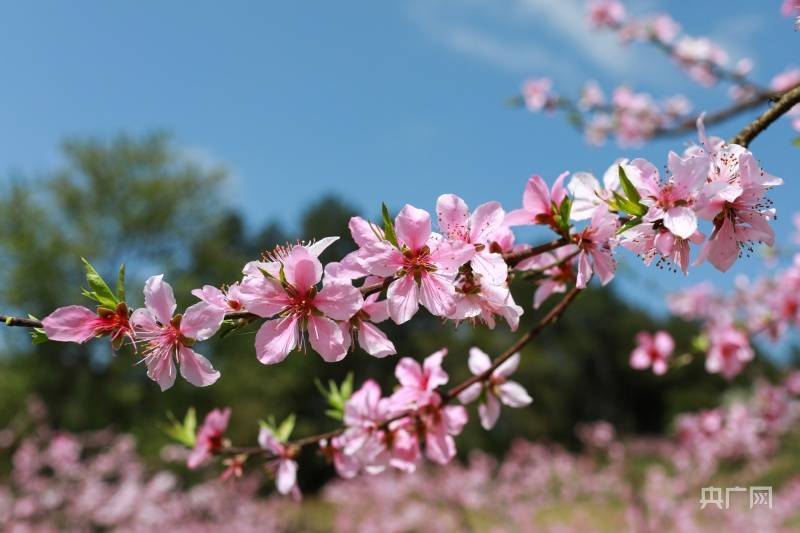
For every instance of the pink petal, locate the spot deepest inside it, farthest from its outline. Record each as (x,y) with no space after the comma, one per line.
(201,321)
(491,266)
(378,311)
(436,294)
(514,395)
(268,441)
(584,270)
(144,320)
(162,371)
(518,217)
(450,255)
(682,221)
(339,301)
(604,264)
(302,269)
(326,338)
(413,227)
(211,295)
(363,232)
(321,245)
(373,341)
(559,192)
(195,368)
(439,446)
(536,197)
(286,476)
(432,366)
(640,359)
(453,217)
(479,361)
(545,289)
(664,343)
(489,411)
(409,373)
(263,297)
(73,323)
(159,299)
(382,259)
(509,366)
(471,393)
(723,250)
(275,339)
(486,219)
(403,298)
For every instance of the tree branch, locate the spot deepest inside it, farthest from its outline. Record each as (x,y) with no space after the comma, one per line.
(553,315)
(20,322)
(780,108)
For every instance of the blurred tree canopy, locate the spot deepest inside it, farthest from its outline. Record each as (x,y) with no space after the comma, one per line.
(140,200)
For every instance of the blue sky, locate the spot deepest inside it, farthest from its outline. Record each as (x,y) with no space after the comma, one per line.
(377,101)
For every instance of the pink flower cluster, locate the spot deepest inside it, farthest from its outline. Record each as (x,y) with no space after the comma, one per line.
(384,432)
(629,116)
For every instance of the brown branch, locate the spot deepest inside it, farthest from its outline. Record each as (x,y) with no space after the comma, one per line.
(20,322)
(553,315)
(512,258)
(780,108)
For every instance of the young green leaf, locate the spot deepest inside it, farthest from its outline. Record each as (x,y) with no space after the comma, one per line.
(121,283)
(182,432)
(388,226)
(284,431)
(635,221)
(38,336)
(98,288)
(630,191)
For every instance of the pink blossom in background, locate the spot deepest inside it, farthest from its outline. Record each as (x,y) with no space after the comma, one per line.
(652,351)
(166,339)
(591,96)
(730,351)
(418,383)
(497,387)
(290,291)
(209,437)
(606,13)
(537,93)
(283,466)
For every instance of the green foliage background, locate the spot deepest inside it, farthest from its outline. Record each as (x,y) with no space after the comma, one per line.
(138,200)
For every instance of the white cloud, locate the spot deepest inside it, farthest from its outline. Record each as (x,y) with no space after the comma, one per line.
(527,36)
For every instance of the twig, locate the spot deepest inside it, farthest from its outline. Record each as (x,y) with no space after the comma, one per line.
(20,322)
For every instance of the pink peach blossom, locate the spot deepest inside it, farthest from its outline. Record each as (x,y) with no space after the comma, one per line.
(652,351)
(497,388)
(209,437)
(166,339)
(290,293)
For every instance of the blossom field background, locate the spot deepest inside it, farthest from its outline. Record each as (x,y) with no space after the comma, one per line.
(231,133)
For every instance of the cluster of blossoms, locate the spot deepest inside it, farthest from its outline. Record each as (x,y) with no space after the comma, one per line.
(459,274)
(633,117)
(630,116)
(97,481)
(383,432)
(767,306)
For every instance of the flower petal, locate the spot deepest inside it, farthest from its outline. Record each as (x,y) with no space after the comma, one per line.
(275,339)
(158,297)
(326,338)
(195,368)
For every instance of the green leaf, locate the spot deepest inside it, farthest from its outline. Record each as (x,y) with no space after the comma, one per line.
(284,431)
(796,142)
(388,226)
(565,211)
(630,191)
(121,283)
(38,336)
(98,288)
(635,221)
(182,432)
(623,204)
